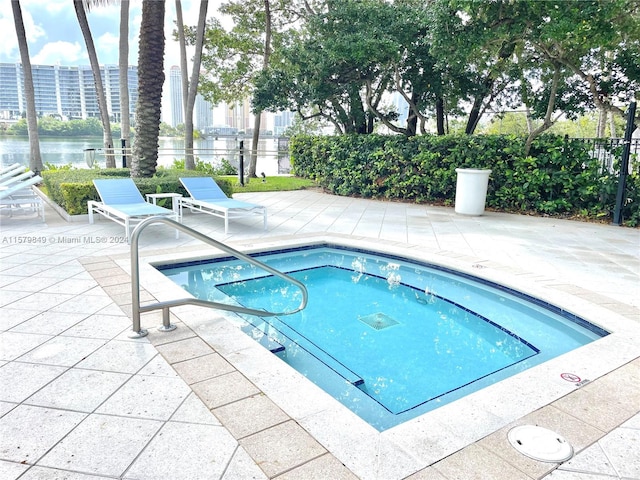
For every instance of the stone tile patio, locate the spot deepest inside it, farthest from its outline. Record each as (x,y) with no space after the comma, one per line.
(81,400)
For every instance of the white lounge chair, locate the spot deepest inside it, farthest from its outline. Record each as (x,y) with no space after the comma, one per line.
(11,170)
(17,194)
(207,197)
(15,178)
(122,203)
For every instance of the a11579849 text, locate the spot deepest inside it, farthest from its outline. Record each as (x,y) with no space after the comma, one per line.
(61,239)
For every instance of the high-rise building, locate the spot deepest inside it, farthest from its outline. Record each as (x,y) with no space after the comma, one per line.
(282,121)
(175,96)
(66,91)
(202,111)
(230,118)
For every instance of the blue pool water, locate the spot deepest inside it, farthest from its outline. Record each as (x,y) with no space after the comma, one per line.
(390,338)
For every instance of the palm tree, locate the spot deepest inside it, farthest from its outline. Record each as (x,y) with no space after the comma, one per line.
(35,159)
(150,82)
(190,88)
(81,13)
(123,63)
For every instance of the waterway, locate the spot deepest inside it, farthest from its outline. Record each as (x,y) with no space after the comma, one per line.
(74,151)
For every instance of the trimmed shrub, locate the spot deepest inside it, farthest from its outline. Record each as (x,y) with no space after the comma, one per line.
(558,177)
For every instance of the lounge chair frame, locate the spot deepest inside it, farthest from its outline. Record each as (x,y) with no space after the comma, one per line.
(128,214)
(218,205)
(17,193)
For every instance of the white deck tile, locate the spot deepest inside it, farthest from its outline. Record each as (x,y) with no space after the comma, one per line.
(13,344)
(102,444)
(210,448)
(49,323)
(25,379)
(193,410)
(63,351)
(120,356)
(540,251)
(147,397)
(32,443)
(79,390)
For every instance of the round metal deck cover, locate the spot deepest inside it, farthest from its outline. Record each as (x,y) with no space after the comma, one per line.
(540,444)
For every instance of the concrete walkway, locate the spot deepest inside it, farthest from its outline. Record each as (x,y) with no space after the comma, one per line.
(81,400)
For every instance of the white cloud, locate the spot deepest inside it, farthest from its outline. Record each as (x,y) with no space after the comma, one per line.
(62,53)
(107,46)
(51,6)
(8,38)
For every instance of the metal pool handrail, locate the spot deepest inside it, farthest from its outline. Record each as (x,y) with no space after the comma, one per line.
(166,325)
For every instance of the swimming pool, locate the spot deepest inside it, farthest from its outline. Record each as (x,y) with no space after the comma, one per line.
(436,337)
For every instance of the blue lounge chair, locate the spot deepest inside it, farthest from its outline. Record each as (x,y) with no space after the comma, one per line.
(123,203)
(207,197)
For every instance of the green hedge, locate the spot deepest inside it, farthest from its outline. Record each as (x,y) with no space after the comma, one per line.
(558,177)
(72,188)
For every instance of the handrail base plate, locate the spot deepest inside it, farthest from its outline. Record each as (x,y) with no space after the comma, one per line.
(139,334)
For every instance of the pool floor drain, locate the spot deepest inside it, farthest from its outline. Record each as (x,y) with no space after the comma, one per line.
(378,321)
(540,444)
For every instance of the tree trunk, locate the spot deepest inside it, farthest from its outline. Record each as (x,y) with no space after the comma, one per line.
(189,163)
(474,116)
(612,126)
(529,120)
(255,138)
(95,68)
(253,163)
(191,87)
(150,82)
(440,116)
(35,159)
(547,122)
(602,122)
(123,62)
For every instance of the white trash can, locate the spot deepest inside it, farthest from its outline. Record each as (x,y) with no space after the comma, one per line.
(471,190)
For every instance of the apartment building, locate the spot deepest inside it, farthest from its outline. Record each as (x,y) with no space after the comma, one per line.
(202,112)
(64,91)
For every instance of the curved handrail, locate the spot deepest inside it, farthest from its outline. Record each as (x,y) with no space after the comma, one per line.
(135,280)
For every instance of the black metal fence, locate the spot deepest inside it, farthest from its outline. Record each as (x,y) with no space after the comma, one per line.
(608,150)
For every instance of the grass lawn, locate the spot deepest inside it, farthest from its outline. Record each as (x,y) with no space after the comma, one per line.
(270,184)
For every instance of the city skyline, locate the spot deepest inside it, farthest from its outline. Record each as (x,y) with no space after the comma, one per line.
(68,91)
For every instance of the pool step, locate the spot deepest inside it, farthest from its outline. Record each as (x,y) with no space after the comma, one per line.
(277,348)
(263,339)
(271,345)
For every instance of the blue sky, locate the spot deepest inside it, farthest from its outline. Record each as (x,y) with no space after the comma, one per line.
(54,36)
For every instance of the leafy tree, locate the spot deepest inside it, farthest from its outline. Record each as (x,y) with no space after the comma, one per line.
(353,52)
(325,69)
(233,58)
(300,127)
(150,82)
(474,44)
(556,57)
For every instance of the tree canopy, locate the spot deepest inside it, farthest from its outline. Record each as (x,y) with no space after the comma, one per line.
(347,60)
